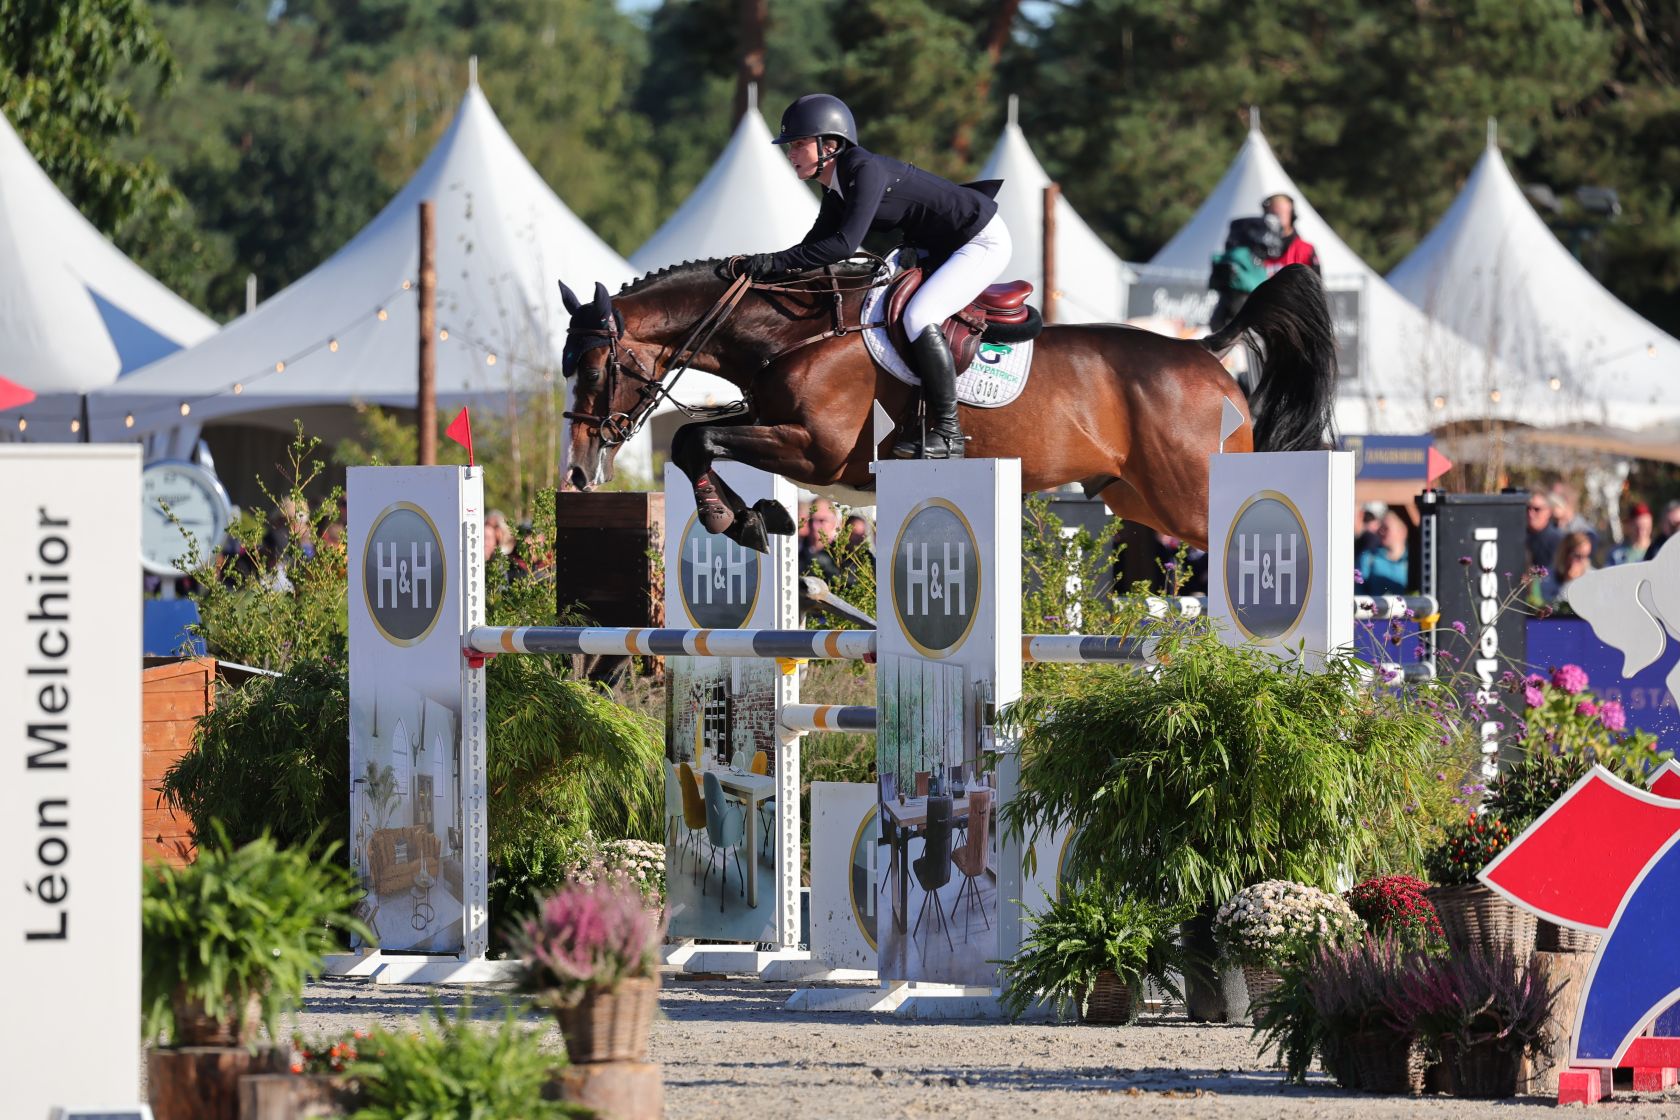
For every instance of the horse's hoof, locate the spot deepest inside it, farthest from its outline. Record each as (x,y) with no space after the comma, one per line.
(713,515)
(748,532)
(776,518)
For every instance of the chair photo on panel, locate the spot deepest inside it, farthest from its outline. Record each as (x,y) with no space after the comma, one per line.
(922,777)
(889,792)
(933,867)
(766,810)
(971,859)
(726,828)
(694,809)
(738,762)
(673,804)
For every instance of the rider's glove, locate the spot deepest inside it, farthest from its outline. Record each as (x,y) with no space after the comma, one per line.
(759,265)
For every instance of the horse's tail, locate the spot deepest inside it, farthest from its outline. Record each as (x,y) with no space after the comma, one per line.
(1287,320)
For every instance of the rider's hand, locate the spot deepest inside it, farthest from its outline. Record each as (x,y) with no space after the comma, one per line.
(759,265)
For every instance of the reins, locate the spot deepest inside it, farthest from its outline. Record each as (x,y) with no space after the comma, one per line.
(657,384)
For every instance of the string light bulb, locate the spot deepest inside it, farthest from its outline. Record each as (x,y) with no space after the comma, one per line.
(238,388)
(1556,383)
(407,284)
(23,425)
(185,408)
(1494,396)
(1382,404)
(1439,403)
(489,359)
(332,344)
(75,426)
(279,367)
(383,315)
(443,335)
(1650,349)
(128,420)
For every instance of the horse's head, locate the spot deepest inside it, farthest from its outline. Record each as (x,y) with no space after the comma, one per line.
(605,394)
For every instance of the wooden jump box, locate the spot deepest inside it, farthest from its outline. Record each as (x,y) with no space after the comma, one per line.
(608,552)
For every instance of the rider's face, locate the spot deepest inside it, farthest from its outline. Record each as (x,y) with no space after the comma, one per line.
(802,153)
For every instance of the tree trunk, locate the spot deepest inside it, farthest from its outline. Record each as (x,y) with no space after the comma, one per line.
(749,68)
(997,34)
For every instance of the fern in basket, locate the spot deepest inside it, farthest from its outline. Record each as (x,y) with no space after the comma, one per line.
(1089,930)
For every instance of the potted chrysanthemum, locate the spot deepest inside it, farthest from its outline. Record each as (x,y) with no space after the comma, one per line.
(1268,923)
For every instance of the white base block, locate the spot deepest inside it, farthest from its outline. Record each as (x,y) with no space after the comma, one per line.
(775,965)
(420,968)
(907,1000)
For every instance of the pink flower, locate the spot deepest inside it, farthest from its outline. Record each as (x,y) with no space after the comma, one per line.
(1534,690)
(1586,708)
(1611,715)
(1570,678)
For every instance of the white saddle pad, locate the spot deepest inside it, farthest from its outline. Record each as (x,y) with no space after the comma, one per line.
(993,379)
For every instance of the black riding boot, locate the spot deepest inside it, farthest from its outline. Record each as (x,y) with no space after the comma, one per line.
(943,437)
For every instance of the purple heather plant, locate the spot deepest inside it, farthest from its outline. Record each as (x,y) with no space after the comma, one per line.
(588,937)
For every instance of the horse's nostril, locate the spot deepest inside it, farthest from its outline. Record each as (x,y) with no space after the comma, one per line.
(579,478)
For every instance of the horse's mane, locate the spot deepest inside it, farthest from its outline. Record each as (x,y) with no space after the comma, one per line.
(714,269)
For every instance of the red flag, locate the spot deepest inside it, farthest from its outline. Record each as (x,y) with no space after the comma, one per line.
(1439,465)
(460,430)
(13,395)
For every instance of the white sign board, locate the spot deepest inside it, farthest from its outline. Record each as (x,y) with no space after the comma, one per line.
(1280,527)
(722,713)
(846,854)
(948,604)
(417,796)
(71,796)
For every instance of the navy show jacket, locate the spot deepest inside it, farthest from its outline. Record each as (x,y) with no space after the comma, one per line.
(878,193)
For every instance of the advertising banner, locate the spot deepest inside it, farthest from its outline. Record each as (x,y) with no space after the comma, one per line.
(846,885)
(1283,524)
(71,794)
(724,764)
(417,797)
(1490,531)
(949,656)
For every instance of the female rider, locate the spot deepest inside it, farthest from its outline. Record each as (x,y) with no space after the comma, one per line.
(959,226)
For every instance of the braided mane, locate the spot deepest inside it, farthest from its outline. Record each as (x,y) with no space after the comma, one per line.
(714,268)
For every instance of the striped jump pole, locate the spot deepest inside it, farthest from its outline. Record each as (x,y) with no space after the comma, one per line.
(857,718)
(1074,649)
(1366,608)
(822,645)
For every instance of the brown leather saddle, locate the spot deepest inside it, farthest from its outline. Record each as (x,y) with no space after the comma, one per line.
(1003,304)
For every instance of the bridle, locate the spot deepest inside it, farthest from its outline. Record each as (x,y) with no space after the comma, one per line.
(657,380)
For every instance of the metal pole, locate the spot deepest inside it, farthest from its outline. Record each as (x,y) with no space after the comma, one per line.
(426,406)
(1052,193)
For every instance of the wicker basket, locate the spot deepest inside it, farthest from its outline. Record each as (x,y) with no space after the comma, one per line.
(1488,1071)
(1385,1062)
(1549,937)
(611,1026)
(1473,915)
(1261,983)
(1338,1062)
(1109,1002)
(196,1026)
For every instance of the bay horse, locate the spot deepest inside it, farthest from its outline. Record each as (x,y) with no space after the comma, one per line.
(1131,415)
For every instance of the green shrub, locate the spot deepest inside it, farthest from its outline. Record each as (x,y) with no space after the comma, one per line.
(271,757)
(454,1070)
(255,920)
(1217,767)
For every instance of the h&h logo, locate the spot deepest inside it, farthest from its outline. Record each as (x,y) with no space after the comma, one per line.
(404,574)
(936,574)
(1268,567)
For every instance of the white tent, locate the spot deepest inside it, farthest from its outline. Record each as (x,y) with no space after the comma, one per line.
(1090,279)
(1401,372)
(346,333)
(1493,272)
(75,313)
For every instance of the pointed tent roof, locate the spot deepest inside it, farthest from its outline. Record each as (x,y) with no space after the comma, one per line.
(1413,373)
(749,202)
(75,313)
(1090,276)
(1492,270)
(503,239)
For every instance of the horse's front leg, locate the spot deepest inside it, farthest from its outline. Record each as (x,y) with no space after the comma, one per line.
(778,449)
(715,505)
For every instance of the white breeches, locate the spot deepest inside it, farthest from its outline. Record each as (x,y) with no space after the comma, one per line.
(956,283)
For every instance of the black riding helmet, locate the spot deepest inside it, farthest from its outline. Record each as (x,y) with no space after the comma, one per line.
(817,114)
